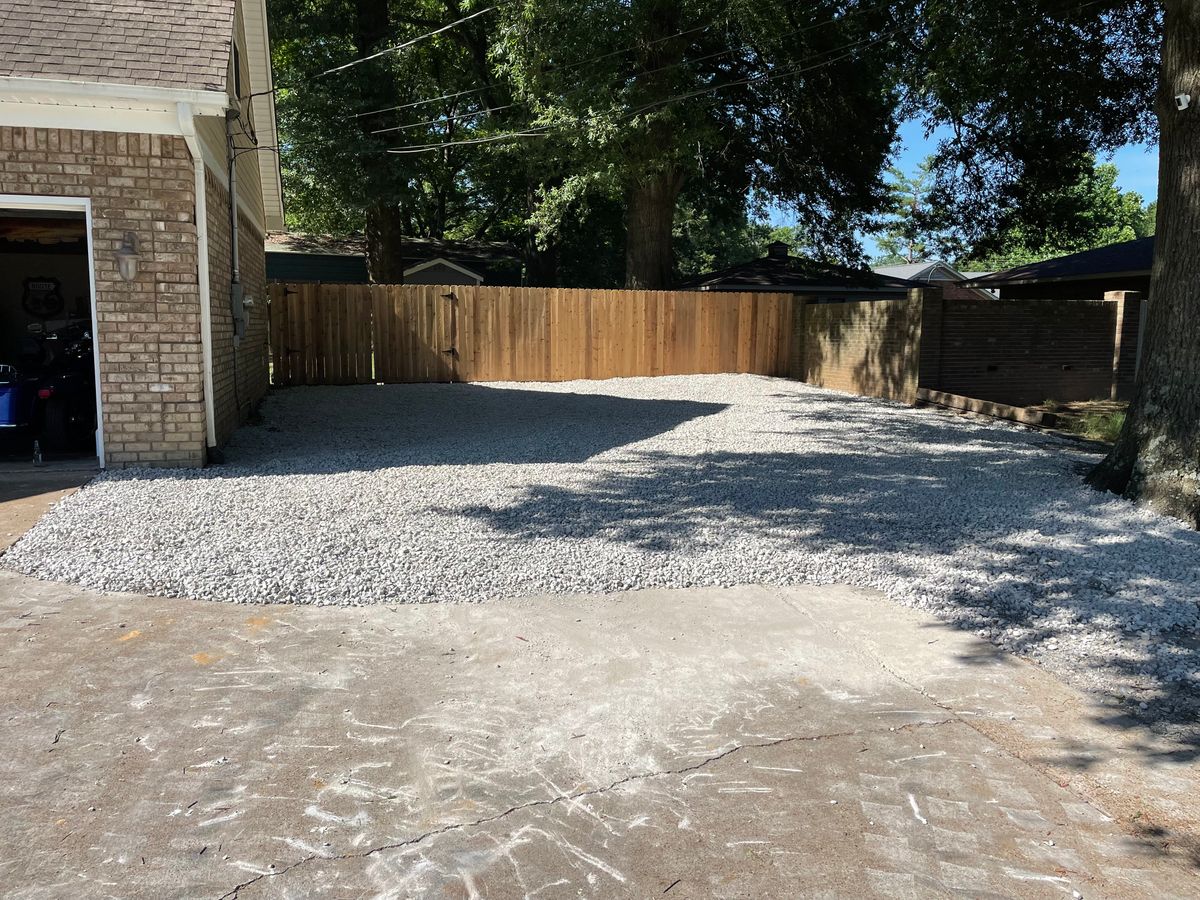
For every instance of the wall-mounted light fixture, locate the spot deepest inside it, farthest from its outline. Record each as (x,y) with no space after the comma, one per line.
(128,256)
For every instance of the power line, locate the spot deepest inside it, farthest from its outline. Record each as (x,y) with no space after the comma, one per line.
(440,120)
(406,44)
(575,65)
(543,132)
(766,77)
(684,62)
(569,68)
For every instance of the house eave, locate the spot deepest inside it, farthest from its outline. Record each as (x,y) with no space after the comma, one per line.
(984,284)
(107,95)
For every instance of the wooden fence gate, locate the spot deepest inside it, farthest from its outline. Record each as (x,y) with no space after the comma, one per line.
(357,334)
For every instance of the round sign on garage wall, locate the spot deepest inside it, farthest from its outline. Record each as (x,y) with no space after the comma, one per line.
(42,297)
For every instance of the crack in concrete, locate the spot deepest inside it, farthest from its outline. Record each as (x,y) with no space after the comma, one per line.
(234,892)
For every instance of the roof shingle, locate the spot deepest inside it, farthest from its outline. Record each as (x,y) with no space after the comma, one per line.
(1125,258)
(176,44)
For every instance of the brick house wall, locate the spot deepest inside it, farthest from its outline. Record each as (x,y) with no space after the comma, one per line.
(148,341)
(240,371)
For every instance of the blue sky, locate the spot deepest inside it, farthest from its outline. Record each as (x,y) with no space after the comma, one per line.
(1137,165)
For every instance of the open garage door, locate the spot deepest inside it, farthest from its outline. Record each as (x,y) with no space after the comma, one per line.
(48,397)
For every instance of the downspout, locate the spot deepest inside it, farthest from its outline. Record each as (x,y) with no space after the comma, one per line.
(235,293)
(187,125)
(237,308)
(231,116)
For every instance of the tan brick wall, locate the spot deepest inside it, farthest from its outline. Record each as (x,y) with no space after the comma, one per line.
(867,347)
(240,377)
(151,365)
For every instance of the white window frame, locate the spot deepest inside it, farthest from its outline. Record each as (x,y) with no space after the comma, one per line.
(75,205)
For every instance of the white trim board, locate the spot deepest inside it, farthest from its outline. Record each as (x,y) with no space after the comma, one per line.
(82,106)
(202,275)
(108,95)
(84,205)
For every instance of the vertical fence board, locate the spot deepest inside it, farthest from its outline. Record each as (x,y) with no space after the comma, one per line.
(355,334)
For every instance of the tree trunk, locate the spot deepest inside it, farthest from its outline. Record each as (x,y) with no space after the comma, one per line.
(541,264)
(649,218)
(385,239)
(1157,458)
(384,223)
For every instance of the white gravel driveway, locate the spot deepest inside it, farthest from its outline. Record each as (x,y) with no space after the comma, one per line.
(351,495)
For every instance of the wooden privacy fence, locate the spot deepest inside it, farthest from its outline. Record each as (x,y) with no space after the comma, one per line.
(356,334)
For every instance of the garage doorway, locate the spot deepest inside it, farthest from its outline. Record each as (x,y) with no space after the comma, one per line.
(49,374)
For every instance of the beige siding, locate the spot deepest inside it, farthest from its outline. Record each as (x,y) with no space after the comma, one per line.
(212,133)
(259,56)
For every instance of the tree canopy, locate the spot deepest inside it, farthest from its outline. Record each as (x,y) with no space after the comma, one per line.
(1091,212)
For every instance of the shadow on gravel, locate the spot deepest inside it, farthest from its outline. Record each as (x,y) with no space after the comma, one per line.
(319,430)
(896,509)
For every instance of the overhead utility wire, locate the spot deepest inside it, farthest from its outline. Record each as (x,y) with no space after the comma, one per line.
(404,46)
(568,68)
(802,29)
(542,130)
(766,77)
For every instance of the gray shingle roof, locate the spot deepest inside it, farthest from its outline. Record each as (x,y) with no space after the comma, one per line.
(1125,258)
(160,43)
(797,274)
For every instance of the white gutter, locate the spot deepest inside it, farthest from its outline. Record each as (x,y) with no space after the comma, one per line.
(187,126)
(93,93)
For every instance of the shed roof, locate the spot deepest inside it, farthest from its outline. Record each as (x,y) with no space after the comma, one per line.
(797,274)
(291,254)
(175,44)
(1126,258)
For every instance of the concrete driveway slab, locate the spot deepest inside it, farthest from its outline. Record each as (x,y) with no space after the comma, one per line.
(27,491)
(741,742)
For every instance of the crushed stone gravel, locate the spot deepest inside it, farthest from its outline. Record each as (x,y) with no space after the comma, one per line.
(412,493)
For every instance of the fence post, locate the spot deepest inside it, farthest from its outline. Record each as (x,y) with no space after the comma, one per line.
(932,312)
(1127,341)
(796,360)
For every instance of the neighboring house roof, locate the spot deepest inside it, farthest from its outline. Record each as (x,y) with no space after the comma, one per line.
(175,44)
(925,270)
(779,271)
(439,262)
(290,255)
(935,272)
(1123,259)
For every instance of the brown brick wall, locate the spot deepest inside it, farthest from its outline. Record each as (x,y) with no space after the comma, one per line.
(240,376)
(151,365)
(868,347)
(1023,352)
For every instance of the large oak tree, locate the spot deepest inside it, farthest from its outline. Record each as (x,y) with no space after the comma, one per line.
(1157,457)
(744,97)
(1030,88)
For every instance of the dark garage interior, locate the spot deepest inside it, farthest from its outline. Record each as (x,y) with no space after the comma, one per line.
(47,362)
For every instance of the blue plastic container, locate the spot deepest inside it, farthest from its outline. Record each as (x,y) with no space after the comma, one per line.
(16,398)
